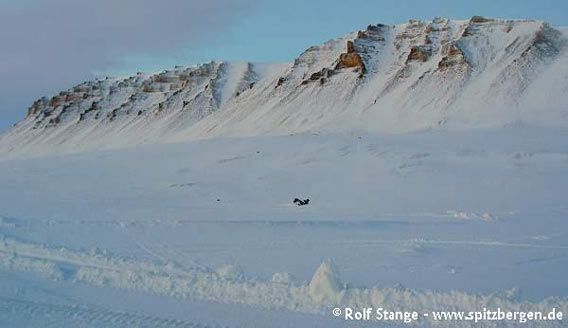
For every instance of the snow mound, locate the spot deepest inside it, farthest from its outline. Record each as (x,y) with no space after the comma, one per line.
(326,286)
(230,272)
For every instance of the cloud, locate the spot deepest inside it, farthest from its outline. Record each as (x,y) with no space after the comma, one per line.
(50,45)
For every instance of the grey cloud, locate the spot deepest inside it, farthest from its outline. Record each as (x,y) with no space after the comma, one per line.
(49,45)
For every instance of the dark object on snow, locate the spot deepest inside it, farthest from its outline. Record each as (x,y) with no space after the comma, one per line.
(300,202)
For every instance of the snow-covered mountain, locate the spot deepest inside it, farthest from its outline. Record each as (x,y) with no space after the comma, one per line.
(475,73)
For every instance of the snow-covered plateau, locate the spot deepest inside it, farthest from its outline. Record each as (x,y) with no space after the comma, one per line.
(434,155)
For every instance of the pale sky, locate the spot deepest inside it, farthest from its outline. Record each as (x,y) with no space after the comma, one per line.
(50,45)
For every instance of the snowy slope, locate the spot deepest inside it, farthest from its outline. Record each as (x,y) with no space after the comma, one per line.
(119,112)
(475,73)
(418,75)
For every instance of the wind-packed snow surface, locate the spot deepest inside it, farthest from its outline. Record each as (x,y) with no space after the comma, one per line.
(205,233)
(434,155)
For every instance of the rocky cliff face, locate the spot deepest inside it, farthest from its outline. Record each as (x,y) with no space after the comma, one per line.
(479,72)
(197,90)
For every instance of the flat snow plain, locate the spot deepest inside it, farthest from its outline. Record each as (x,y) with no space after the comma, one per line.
(204,233)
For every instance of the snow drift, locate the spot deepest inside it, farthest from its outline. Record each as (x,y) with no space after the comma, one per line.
(324,291)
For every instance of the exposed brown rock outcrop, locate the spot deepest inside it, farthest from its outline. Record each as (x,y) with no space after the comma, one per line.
(418,53)
(93,107)
(37,107)
(347,60)
(350,47)
(58,100)
(480,19)
(321,76)
(351,59)
(373,32)
(454,56)
(474,22)
(281,81)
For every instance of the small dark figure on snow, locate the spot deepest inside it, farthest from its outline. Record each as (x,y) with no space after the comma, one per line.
(300,202)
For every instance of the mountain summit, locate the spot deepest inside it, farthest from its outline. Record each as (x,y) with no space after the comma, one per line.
(479,72)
